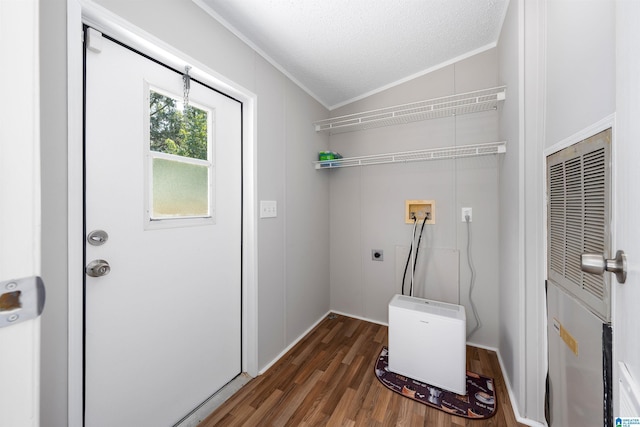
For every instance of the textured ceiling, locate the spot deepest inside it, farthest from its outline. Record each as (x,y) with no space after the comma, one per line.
(343,50)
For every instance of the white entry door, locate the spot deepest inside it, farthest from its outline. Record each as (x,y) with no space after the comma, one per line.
(163,210)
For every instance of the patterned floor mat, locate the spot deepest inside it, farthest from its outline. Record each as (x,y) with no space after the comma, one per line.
(479,402)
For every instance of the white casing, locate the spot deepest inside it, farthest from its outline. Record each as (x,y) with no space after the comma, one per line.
(427,342)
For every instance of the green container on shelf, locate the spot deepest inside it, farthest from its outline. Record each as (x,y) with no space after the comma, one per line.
(326,155)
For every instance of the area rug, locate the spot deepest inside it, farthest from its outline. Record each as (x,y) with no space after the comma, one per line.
(479,402)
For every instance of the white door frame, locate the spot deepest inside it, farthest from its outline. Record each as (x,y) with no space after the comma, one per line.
(85,12)
(20,219)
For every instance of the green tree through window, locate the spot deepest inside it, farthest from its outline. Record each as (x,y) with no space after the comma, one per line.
(183,133)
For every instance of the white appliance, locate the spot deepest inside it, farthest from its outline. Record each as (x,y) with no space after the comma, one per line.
(427,342)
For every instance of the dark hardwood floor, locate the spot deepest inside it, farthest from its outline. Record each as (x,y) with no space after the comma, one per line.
(327,379)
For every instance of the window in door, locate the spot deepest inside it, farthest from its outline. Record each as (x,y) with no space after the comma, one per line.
(179,162)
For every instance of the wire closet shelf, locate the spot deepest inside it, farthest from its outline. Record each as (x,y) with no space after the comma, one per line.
(417,156)
(464,103)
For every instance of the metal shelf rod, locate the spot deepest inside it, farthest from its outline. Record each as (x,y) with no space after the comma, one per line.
(416,156)
(465,103)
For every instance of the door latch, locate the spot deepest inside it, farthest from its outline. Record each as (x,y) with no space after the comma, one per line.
(20,300)
(98,268)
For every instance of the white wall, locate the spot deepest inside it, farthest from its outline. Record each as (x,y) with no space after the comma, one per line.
(367,203)
(306,212)
(511,254)
(293,283)
(580,58)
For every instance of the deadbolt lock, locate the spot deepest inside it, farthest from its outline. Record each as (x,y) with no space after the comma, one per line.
(97,237)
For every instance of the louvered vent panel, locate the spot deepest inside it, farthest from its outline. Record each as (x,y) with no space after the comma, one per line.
(556,218)
(578,218)
(573,217)
(594,214)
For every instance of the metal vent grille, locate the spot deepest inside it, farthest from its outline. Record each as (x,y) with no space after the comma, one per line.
(556,218)
(594,213)
(578,179)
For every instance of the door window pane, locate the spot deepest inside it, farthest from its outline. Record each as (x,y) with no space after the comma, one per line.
(177,130)
(179,158)
(179,189)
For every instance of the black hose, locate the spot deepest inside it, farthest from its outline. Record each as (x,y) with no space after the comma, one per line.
(406,266)
(424,221)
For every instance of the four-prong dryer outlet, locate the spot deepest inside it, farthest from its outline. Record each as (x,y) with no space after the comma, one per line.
(427,342)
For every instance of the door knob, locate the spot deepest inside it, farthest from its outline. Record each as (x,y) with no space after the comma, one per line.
(97,268)
(597,264)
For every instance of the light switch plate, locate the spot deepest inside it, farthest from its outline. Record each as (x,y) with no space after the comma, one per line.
(268,209)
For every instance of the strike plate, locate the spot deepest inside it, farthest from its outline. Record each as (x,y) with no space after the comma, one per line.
(20,300)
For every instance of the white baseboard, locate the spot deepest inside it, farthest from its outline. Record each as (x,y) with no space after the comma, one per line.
(359,318)
(512,398)
(293,343)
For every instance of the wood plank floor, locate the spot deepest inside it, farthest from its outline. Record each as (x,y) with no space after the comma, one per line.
(327,379)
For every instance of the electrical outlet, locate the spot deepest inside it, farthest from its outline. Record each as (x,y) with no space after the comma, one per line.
(465,212)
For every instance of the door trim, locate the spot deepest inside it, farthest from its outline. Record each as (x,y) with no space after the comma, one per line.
(81,12)
(20,253)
